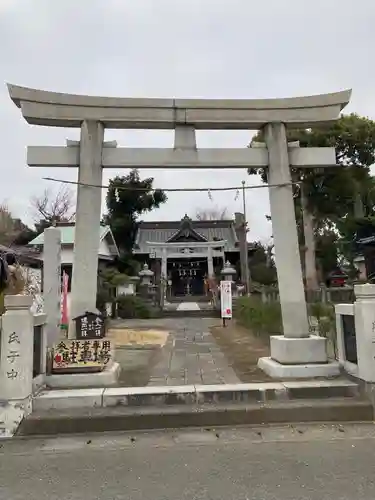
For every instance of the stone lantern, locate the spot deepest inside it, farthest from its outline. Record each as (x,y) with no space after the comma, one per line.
(228,272)
(145,284)
(146,276)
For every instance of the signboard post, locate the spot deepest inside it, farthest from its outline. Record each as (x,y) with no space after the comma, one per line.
(226,300)
(90,326)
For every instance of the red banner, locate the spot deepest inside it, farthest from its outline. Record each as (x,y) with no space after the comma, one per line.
(64,324)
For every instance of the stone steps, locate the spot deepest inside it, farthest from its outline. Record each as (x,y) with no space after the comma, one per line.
(189,298)
(123,408)
(90,420)
(201,313)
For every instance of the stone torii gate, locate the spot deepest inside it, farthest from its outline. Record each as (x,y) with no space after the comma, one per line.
(294,354)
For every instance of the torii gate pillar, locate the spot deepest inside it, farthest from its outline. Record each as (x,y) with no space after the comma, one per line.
(87,227)
(296,353)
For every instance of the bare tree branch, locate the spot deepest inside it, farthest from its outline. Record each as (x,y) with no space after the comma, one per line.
(212,214)
(51,207)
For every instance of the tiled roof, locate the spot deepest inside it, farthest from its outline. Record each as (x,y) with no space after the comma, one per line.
(25,255)
(162,231)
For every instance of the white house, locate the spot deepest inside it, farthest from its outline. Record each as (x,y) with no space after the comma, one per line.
(107,250)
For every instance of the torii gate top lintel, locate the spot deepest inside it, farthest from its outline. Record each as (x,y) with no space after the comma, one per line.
(40,107)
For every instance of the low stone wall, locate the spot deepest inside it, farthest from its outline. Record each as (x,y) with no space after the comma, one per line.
(339,295)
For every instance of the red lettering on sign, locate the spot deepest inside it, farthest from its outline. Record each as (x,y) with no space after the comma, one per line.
(58,358)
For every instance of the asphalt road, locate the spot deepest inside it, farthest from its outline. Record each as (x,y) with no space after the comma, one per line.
(301,462)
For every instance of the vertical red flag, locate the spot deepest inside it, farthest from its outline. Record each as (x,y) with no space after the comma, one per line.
(64,324)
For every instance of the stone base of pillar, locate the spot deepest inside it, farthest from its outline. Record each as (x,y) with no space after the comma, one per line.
(298,358)
(107,378)
(290,351)
(277,370)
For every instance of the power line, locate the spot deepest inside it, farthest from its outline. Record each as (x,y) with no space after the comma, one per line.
(170,190)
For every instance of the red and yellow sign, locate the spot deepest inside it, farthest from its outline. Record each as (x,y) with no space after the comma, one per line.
(81,355)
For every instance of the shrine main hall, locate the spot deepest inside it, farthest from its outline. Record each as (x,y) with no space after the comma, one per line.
(185,252)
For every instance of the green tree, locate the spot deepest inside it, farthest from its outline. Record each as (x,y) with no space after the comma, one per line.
(109,278)
(129,197)
(261,265)
(361,220)
(328,195)
(327,251)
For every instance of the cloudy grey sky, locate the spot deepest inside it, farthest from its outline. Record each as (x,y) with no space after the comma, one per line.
(176,48)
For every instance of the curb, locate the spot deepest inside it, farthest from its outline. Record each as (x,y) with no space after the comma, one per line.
(194,394)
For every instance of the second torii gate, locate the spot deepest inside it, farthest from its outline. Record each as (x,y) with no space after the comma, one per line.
(93,114)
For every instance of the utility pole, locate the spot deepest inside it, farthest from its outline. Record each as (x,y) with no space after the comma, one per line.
(247,270)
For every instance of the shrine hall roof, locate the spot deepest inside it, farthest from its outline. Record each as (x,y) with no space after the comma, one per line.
(162,231)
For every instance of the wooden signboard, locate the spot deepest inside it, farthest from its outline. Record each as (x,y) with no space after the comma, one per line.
(90,326)
(70,356)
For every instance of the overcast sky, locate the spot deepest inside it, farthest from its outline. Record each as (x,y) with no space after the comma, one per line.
(176,48)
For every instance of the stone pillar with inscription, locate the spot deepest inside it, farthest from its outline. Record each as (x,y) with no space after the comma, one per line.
(52,283)
(17,341)
(364,317)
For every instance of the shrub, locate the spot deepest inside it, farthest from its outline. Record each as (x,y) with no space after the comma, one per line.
(326,322)
(101,302)
(133,306)
(260,318)
(265,318)
(321,310)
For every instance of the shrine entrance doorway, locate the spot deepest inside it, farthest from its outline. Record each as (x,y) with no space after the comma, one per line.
(186,277)
(184,265)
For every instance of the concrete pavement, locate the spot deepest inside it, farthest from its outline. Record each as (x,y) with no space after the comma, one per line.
(322,462)
(190,355)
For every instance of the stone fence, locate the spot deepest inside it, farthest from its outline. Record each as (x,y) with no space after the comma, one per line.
(323,294)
